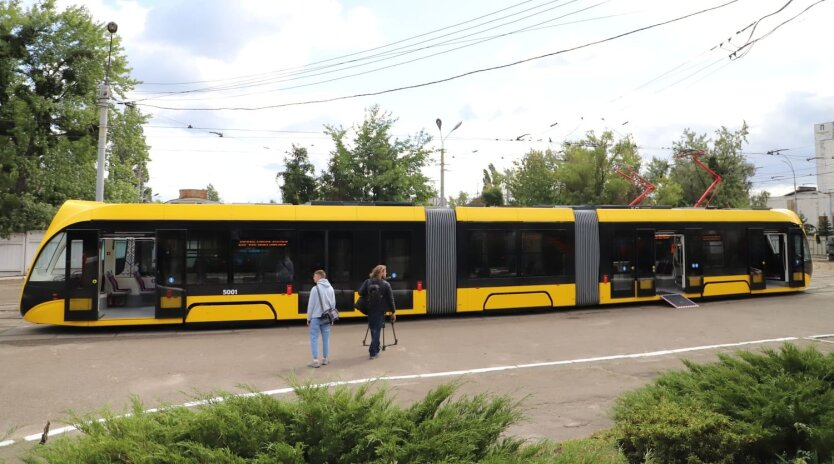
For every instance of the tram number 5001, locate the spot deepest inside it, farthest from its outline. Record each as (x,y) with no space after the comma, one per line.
(230,291)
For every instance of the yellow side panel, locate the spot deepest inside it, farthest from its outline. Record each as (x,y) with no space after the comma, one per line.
(81,304)
(173,302)
(718,286)
(361,213)
(605,296)
(220,313)
(465,214)
(528,296)
(419,299)
(695,215)
(52,312)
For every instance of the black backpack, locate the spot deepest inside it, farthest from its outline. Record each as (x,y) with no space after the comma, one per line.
(374,295)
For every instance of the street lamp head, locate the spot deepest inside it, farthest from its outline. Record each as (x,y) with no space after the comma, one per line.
(456,126)
(112,27)
(439,124)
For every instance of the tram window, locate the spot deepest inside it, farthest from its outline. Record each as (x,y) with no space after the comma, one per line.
(396,254)
(206,259)
(340,257)
(51,261)
(622,252)
(713,250)
(310,257)
(263,257)
(492,253)
(543,253)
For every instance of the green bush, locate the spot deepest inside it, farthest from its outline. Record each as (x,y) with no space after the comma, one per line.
(746,408)
(334,426)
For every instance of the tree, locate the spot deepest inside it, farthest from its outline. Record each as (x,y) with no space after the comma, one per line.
(824,227)
(212,193)
(725,158)
(461,200)
(667,192)
(298,180)
(492,193)
(376,167)
(51,63)
(533,180)
(587,170)
(760,200)
(127,158)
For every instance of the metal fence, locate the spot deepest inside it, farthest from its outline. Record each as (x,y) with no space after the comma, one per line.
(18,251)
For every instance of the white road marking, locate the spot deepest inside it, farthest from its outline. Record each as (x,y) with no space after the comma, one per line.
(482,370)
(6,443)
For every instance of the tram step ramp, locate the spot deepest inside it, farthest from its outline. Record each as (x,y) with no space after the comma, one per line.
(678,301)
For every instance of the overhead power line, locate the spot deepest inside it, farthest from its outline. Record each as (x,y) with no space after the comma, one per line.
(458,76)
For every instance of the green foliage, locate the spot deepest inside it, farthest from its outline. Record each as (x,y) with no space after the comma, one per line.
(212,193)
(298,181)
(342,425)
(533,181)
(461,200)
(51,63)
(744,408)
(127,158)
(587,170)
(725,158)
(824,227)
(376,167)
(760,200)
(667,191)
(492,194)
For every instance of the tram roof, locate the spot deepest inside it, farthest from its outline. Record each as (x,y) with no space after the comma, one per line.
(75,211)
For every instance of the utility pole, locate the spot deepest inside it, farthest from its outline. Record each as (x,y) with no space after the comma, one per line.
(788,161)
(103,106)
(443,159)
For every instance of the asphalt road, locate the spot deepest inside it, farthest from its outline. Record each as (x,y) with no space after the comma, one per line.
(566,367)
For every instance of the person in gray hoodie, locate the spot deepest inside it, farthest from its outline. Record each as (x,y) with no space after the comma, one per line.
(322,297)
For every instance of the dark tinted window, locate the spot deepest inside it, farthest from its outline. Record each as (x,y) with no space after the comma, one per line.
(206,258)
(340,257)
(310,257)
(263,257)
(713,250)
(543,253)
(492,253)
(396,255)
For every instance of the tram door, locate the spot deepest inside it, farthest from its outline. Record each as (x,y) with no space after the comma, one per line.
(693,261)
(797,259)
(645,270)
(82,276)
(757,259)
(170,276)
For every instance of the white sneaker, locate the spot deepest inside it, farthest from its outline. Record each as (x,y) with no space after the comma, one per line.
(325,362)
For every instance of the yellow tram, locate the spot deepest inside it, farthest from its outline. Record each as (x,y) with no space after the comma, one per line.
(135,264)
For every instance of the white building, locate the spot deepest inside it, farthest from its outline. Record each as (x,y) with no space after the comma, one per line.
(814,202)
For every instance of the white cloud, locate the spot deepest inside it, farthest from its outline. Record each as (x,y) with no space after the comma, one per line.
(777,88)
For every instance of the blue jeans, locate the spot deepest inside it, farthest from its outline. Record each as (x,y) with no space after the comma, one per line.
(315,327)
(375,323)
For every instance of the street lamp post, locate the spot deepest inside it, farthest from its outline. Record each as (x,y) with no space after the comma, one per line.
(443,159)
(788,161)
(103,105)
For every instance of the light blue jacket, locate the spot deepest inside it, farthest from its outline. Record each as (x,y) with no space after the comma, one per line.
(328,296)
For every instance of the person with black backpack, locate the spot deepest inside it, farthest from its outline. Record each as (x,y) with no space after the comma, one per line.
(379,299)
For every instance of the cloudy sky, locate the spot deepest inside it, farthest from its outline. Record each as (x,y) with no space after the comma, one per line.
(248,69)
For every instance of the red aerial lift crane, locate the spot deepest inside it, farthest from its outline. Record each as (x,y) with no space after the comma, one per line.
(635,178)
(712,189)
